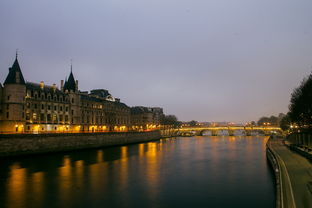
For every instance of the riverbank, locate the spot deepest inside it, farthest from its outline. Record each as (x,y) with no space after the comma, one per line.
(24,144)
(293,174)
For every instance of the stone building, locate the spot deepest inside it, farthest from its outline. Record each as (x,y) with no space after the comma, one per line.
(38,108)
(144,118)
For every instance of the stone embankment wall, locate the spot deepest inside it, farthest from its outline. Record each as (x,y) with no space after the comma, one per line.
(276,169)
(21,144)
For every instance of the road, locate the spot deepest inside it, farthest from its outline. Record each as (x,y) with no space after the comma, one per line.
(297,170)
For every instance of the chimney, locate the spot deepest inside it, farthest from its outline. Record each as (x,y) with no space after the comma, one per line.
(62,85)
(54,87)
(41,84)
(77,85)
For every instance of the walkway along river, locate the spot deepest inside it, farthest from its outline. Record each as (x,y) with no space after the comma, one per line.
(203,171)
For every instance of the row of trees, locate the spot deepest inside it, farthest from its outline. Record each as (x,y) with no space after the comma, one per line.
(170,120)
(300,107)
(272,120)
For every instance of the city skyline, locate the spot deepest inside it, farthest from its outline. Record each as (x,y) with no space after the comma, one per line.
(202,61)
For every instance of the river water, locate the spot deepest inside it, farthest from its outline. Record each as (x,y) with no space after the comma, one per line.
(203,171)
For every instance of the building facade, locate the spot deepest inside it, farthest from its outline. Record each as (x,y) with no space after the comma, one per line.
(27,107)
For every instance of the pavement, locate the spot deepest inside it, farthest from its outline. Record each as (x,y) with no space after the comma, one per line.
(296,176)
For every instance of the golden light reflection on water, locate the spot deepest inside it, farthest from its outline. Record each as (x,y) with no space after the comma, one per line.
(79,171)
(124,173)
(64,181)
(99,155)
(37,182)
(144,167)
(152,169)
(232,153)
(95,178)
(16,187)
(141,150)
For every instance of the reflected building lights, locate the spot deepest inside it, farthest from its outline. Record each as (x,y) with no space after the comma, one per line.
(79,171)
(65,181)
(16,187)
(152,170)
(99,156)
(38,188)
(124,170)
(141,149)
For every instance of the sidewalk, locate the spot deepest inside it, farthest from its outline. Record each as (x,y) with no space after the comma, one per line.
(297,171)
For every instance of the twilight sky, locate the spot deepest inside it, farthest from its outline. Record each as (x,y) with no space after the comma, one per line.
(208,60)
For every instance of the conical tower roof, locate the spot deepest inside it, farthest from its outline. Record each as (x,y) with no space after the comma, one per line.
(70,84)
(15,75)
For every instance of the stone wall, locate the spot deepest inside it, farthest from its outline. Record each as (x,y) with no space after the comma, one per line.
(42,143)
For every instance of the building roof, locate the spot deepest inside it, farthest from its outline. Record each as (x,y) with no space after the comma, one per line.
(15,75)
(46,88)
(70,84)
(101,93)
(89,97)
(140,110)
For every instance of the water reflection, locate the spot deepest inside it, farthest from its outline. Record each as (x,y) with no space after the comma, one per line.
(65,181)
(16,186)
(206,171)
(152,171)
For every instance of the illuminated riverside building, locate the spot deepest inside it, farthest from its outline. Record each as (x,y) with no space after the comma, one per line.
(38,108)
(145,118)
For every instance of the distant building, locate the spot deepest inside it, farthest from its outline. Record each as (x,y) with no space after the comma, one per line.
(143,118)
(37,107)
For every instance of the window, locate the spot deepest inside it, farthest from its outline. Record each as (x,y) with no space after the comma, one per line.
(35,106)
(49,117)
(42,106)
(61,117)
(61,108)
(72,112)
(27,116)
(8,106)
(7,114)
(55,107)
(9,97)
(54,118)
(72,100)
(42,117)
(49,107)
(34,116)
(66,118)
(66,109)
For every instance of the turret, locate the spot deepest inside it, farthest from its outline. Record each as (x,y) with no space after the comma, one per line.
(71,84)
(13,99)
(71,87)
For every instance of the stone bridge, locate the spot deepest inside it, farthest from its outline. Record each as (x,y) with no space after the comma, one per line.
(230,130)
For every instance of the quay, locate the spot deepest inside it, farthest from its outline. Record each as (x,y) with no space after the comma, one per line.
(293,175)
(25,144)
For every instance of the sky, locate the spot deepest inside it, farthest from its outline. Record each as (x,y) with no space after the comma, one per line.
(207,60)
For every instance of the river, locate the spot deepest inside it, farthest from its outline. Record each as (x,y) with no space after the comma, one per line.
(203,171)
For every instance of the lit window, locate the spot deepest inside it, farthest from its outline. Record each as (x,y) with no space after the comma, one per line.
(34,116)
